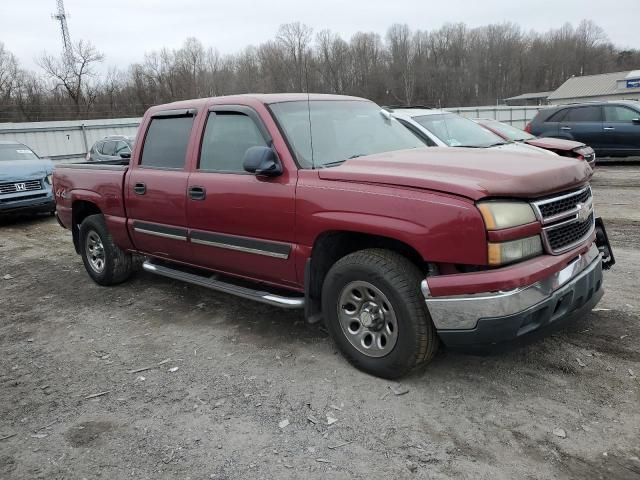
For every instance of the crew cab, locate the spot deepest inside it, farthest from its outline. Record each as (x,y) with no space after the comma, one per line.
(328,204)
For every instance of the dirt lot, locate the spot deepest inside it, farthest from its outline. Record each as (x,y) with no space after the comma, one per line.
(243,368)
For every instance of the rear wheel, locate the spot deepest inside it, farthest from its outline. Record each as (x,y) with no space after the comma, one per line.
(376,314)
(104,261)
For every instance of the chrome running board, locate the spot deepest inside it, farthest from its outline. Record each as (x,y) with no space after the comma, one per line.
(213,283)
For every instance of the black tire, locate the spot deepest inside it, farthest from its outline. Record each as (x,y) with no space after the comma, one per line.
(117,264)
(398,279)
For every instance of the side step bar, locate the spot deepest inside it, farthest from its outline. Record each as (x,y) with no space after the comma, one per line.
(214,284)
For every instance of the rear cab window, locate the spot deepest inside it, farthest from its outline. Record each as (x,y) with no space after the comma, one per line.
(165,144)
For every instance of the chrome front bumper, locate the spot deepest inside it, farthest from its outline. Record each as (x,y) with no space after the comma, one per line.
(464,312)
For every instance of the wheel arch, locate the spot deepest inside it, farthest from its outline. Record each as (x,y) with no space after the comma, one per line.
(331,246)
(80,210)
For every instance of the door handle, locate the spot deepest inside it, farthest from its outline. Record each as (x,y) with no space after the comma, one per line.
(140,188)
(565,128)
(609,128)
(197,193)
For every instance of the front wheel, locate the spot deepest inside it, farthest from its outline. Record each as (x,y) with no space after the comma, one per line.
(376,314)
(104,261)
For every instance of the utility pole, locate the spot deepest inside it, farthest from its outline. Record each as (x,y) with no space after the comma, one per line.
(61,17)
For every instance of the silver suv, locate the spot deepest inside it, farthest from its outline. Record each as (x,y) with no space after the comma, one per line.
(439,128)
(111,148)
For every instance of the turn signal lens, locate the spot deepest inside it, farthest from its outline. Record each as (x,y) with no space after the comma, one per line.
(508,252)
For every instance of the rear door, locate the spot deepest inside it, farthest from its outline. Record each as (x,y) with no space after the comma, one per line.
(621,133)
(240,223)
(584,124)
(157,186)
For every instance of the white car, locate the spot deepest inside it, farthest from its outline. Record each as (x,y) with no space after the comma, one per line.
(439,128)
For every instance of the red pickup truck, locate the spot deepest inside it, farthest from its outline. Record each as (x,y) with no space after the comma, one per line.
(327,204)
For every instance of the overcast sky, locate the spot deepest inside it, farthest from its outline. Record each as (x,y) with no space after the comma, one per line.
(125,29)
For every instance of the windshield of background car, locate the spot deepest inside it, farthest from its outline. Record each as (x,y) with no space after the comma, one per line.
(510,133)
(457,131)
(340,130)
(16,152)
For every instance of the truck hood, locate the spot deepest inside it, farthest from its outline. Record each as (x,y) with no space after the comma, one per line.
(474,174)
(21,170)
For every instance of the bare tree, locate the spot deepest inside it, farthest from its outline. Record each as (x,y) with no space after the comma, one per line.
(296,39)
(74,74)
(450,66)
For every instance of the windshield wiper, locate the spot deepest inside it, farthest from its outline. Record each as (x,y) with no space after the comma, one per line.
(333,164)
(340,162)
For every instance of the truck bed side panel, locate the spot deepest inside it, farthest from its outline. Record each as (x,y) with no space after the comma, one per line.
(101,186)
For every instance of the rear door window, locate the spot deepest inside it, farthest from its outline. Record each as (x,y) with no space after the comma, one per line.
(165,145)
(585,114)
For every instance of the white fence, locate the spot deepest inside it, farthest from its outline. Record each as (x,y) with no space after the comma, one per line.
(516,116)
(66,140)
(71,140)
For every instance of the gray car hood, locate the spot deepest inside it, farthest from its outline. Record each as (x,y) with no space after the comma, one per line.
(21,170)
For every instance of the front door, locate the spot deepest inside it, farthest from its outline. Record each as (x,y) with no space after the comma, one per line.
(156,187)
(622,129)
(240,223)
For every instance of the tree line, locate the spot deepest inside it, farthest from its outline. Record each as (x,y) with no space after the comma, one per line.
(452,66)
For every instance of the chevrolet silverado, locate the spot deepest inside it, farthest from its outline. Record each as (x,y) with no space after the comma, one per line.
(328,204)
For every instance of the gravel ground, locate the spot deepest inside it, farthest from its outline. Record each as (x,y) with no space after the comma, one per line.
(223,377)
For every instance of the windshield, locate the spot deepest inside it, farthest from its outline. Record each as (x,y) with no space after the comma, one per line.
(16,152)
(457,131)
(507,131)
(340,130)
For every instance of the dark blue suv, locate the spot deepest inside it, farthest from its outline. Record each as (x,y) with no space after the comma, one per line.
(610,128)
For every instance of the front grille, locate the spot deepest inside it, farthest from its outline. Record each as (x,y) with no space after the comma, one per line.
(22,198)
(567,219)
(561,237)
(551,208)
(17,187)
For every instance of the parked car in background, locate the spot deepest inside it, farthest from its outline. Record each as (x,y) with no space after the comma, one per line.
(25,180)
(445,129)
(564,148)
(610,128)
(111,148)
(327,204)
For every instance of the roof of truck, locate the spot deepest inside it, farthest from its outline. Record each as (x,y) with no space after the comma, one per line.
(266,98)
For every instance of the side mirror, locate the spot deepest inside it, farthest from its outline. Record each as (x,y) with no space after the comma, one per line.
(636,121)
(125,155)
(262,161)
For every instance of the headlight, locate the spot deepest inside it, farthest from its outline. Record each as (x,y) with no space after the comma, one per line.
(49,179)
(515,250)
(500,214)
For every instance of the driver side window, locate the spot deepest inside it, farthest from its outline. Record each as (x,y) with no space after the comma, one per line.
(620,114)
(227,137)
